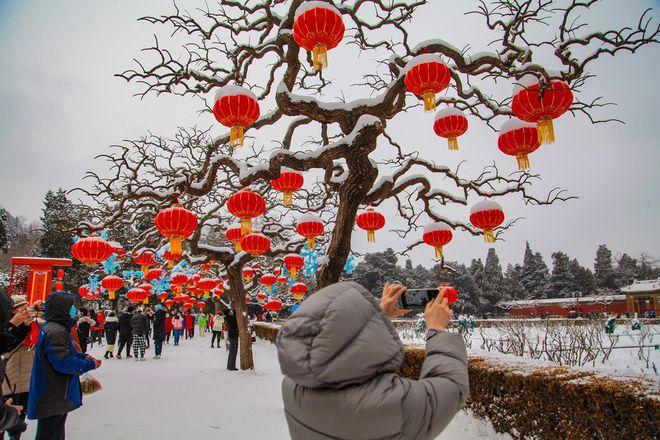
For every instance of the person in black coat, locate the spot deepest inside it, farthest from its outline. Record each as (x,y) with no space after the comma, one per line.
(125,332)
(12,333)
(232,337)
(140,328)
(159,330)
(110,328)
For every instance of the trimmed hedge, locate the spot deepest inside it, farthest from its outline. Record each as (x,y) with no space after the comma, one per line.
(546,403)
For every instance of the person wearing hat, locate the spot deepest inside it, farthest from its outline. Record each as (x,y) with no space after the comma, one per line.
(18,362)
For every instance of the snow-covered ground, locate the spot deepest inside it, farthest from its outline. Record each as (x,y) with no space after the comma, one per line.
(189,394)
(623,360)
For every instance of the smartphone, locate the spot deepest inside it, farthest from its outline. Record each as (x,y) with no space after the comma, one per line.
(416,299)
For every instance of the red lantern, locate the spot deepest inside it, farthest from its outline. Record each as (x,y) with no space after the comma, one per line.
(487,215)
(145,286)
(289,182)
(59,286)
(112,283)
(370,221)
(277,271)
(176,223)
(450,123)
(248,300)
(145,260)
(163,296)
(171,258)
(117,248)
(205,285)
(169,303)
(262,296)
(437,235)
(293,263)
(298,290)
(155,274)
(177,280)
(518,138)
(317,28)
(310,226)
(201,305)
(246,205)
(248,273)
(234,235)
(236,107)
(281,280)
(268,280)
(91,250)
(450,293)
(219,291)
(180,299)
(84,292)
(427,75)
(255,244)
(188,306)
(541,106)
(273,306)
(137,295)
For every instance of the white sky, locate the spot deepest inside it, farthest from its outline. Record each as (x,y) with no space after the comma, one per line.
(60,105)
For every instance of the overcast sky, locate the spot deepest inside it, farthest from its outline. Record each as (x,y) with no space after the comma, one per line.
(60,105)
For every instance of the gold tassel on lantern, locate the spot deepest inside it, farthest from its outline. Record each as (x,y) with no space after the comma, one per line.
(170,264)
(238,244)
(111,295)
(294,272)
(523,162)
(175,246)
(371,236)
(320,57)
(145,269)
(236,136)
(489,236)
(546,130)
(429,100)
(146,300)
(246,226)
(453,143)
(207,295)
(438,253)
(311,242)
(288,198)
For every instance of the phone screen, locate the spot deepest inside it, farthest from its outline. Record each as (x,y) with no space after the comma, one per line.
(416,299)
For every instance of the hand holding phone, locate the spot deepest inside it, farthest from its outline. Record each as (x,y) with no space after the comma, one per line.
(390,298)
(437,313)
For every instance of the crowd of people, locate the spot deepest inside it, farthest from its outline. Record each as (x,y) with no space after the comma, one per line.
(44,348)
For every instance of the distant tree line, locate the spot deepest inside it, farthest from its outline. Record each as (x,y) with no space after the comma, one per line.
(482,285)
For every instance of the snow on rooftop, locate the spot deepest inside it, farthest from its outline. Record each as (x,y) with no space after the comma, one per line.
(642,286)
(306,6)
(485,205)
(571,300)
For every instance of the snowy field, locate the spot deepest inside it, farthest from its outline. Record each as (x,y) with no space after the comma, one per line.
(627,352)
(188,394)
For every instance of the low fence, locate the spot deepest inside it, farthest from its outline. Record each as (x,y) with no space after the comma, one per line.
(546,403)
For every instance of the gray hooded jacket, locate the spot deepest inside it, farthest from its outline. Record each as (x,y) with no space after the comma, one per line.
(338,353)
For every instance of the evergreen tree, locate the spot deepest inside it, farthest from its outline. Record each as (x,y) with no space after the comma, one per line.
(460,278)
(603,270)
(512,285)
(534,276)
(648,268)
(561,283)
(4,237)
(477,272)
(626,270)
(583,278)
(377,269)
(492,283)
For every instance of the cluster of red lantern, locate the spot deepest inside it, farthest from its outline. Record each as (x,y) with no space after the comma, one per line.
(318,27)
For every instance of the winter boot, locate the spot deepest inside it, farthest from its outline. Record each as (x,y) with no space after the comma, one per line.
(105,356)
(118,356)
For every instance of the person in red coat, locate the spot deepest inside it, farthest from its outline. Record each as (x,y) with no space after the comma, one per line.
(168,327)
(190,325)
